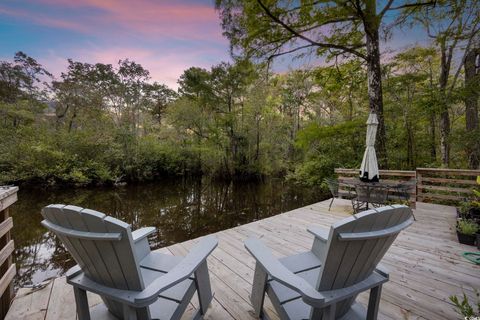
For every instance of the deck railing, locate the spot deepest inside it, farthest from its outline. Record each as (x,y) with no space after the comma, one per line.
(433,185)
(445,184)
(8,196)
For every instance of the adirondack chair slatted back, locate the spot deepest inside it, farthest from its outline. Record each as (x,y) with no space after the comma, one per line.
(357,244)
(101,245)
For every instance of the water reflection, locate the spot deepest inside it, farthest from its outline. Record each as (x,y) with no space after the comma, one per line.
(180,209)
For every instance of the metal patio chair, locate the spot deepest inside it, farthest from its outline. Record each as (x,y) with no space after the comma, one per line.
(373,195)
(333,186)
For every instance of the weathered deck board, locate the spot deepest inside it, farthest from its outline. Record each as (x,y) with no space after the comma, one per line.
(424,263)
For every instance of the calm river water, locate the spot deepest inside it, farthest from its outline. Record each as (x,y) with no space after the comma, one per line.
(180,209)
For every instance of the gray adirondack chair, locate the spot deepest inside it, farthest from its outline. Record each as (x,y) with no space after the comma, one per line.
(117,264)
(324,282)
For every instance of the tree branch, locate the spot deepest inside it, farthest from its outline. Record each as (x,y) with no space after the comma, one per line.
(312,42)
(386,8)
(289,51)
(410,5)
(467,48)
(302,6)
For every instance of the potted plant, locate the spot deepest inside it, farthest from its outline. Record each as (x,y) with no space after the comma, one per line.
(466,231)
(470,207)
(474,210)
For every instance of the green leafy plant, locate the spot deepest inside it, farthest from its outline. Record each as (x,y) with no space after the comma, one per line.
(476,193)
(467,227)
(472,203)
(464,207)
(463,306)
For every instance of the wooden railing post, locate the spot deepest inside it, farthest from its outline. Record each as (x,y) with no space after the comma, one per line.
(418,191)
(8,196)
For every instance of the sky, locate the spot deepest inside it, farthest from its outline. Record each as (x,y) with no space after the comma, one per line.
(165,36)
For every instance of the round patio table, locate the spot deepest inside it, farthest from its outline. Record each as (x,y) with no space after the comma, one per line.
(374,193)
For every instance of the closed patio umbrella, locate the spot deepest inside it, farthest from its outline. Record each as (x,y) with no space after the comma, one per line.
(369,167)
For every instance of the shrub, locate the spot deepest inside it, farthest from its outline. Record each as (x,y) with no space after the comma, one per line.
(467,227)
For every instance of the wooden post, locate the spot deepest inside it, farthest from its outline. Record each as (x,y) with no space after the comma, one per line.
(8,196)
(419,183)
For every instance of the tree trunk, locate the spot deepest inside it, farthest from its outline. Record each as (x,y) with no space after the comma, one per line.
(432,118)
(433,149)
(257,143)
(409,128)
(410,145)
(375,94)
(70,124)
(444,137)
(471,107)
(445,63)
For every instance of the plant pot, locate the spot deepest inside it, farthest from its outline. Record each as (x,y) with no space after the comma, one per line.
(466,238)
(474,213)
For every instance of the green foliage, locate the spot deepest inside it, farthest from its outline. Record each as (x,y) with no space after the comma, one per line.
(106,124)
(467,227)
(473,202)
(463,306)
(325,148)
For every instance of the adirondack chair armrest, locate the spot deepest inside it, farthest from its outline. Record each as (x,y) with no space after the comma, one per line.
(332,296)
(197,255)
(73,271)
(319,233)
(192,261)
(78,279)
(381,269)
(277,271)
(142,233)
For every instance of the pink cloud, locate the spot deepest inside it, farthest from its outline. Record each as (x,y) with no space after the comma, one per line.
(165,68)
(166,37)
(145,17)
(44,20)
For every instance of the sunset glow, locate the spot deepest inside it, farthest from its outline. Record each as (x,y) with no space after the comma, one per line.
(166,37)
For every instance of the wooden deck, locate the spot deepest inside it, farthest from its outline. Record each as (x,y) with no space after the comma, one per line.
(424,263)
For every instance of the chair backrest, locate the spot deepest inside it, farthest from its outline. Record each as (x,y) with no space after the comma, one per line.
(332,186)
(357,244)
(101,245)
(407,185)
(371,193)
(378,194)
(403,189)
(362,192)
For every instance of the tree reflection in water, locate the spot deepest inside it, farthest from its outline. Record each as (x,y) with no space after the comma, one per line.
(180,209)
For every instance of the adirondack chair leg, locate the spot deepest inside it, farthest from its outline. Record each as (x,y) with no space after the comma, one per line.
(198,315)
(81,300)
(374,302)
(258,290)
(329,312)
(129,313)
(203,287)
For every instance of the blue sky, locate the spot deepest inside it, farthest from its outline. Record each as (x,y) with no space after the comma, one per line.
(166,37)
